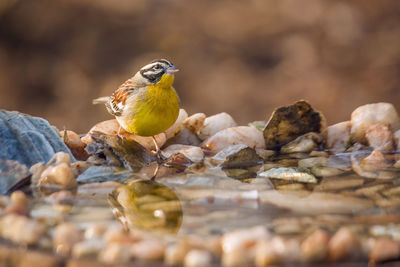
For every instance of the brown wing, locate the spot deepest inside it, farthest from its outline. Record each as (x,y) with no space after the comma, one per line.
(118,99)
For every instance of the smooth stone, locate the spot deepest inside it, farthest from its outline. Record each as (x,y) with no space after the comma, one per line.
(97,174)
(290,174)
(214,124)
(236,156)
(380,137)
(338,137)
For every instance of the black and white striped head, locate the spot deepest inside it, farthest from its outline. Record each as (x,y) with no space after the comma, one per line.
(155,70)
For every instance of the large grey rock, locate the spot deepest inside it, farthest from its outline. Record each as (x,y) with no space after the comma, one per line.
(28,139)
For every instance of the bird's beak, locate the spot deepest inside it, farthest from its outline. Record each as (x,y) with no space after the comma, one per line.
(172,70)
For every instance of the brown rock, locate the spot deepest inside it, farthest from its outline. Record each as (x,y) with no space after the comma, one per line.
(384,249)
(315,246)
(380,137)
(344,245)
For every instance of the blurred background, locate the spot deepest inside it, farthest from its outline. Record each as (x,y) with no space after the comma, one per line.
(242,57)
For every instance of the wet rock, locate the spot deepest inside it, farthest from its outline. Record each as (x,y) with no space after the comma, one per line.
(198,258)
(371,166)
(248,136)
(244,239)
(11,172)
(75,144)
(195,122)
(333,184)
(110,129)
(21,230)
(18,197)
(66,235)
(338,137)
(149,250)
(94,231)
(80,167)
(184,137)
(277,251)
(60,174)
(290,174)
(365,116)
(288,123)
(115,253)
(28,139)
(344,246)
(259,125)
(120,153)
(214,124)
(236,156)
(313,162)
(87,248)
(305,202)
(380,137)
(303,143)
(98,174)
(175,254)
(315,246)
(384,249)
(193,153)
(321,171)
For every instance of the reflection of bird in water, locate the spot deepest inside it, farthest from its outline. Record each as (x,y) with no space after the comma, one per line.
(148,205)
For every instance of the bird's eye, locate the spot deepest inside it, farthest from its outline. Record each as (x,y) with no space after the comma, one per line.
(157,67)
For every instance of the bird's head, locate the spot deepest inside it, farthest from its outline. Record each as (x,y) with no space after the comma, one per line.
(153,72)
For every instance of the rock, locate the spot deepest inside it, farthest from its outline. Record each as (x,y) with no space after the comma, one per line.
(175,254)
(176,127)
(75,144)
(371,166)
(111,127)
(338,183)
(11,173)
(119,152)
(344,246)
(236,156)
(288,123)
(21,230)
(193,153)
(150,249)
(290,174)
(384,249)
(321,171)
(215,124)
(304,202)
(87,248)
(195,122)
(66,235)
(313,162)
(315,246)
(184,137)
(365,116)
(246,135)
(338,137)
(277,251)
(18,197)
(380,138)
(115,253)
(303,143)
(60,174)
(28,139)
(94,231)
(98,174)
(396,137)
(243,239)
(198,258)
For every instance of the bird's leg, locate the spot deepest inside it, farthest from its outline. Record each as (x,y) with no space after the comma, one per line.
(157,152)
(119,133)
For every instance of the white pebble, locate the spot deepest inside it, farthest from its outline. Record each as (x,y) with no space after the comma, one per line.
(338,137)
(66,235)
(193,153)
(214,124)
(198,258)
(195,122)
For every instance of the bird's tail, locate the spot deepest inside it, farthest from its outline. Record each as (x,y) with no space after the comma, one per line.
(100,100)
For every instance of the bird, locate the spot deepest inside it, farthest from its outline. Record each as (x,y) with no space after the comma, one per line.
(147,103)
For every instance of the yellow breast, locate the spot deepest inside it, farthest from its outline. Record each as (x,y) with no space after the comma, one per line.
(156,110)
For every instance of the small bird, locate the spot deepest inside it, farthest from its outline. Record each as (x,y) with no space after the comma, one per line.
(146,104)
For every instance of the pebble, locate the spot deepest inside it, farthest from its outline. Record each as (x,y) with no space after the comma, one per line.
(175,253)
(214,124)
(21,229)
(36,170)
(195,122)
(311,162)
(66,235)
(246,135)
(384,249)
(303,143)
(18,197)
(344,246)
(338,137)
(236,156)
(290,174)
(60,157)
(95,230)
(365,116)
(374,162)
(380,138)
(115,253)
(177,126)
(269,252)
(148,249)
(315,246)
(75,144)
(339,183)
(193,153)
(241,240)
(87,248)
(198,258)
(60,174)
(396,137)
